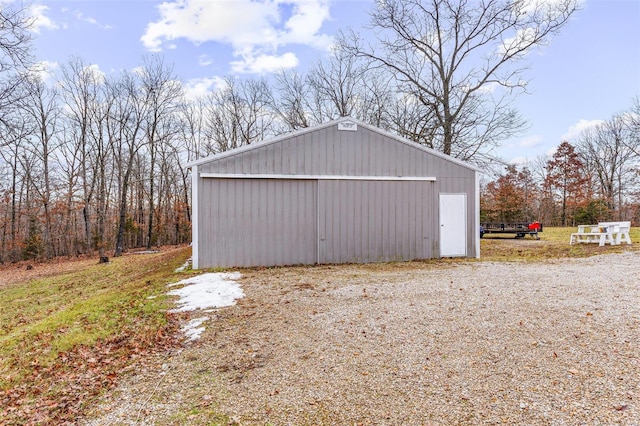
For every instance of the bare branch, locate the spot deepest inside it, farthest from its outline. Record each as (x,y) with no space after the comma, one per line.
(461,60)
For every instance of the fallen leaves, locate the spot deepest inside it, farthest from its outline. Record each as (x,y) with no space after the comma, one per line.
(75,377)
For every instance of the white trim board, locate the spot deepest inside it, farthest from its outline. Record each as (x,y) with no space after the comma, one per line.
(195,240)
(316,177)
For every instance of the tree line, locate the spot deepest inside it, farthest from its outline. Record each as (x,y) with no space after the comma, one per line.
(94,162)
(594,178)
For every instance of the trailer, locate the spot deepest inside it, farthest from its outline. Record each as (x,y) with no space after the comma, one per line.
(520,229)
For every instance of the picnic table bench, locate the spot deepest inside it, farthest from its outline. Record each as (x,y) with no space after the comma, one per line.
(613,233)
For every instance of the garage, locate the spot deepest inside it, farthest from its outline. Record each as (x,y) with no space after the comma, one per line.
(340,192)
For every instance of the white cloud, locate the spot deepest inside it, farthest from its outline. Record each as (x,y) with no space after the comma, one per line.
(305,22)
(139,71)
(98,74)
(522,40)
(198,87)
(519,161)
(88,19)
(40,20)
(81,17)
(551,151)
(532,5)
(265,63)
(576,129)
(532,11)
(204,60)
(526,142)
(255,29)
(490,87)
(530,142)
(198,22)
(45,70)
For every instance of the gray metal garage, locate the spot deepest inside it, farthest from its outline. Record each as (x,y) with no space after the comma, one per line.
(339,192)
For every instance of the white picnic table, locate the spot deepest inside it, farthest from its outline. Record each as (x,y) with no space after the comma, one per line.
(613,233)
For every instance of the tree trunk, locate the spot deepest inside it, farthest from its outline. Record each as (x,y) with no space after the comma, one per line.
(151,193)
(122,213)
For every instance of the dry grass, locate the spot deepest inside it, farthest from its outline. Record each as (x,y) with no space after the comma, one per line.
(553,244)
(67,329)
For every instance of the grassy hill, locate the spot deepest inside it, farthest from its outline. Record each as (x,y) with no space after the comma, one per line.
(66,336)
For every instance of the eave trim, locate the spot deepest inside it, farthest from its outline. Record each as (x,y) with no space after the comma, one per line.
(316,177)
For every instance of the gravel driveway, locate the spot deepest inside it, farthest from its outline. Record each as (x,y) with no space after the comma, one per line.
(438,343)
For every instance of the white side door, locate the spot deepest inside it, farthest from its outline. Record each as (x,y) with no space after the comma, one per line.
(453,225)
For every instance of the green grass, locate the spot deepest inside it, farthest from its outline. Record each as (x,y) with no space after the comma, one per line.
(80,329)
(553,244)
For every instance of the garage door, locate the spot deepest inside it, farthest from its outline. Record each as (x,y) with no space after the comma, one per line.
(262,222)
(374,221)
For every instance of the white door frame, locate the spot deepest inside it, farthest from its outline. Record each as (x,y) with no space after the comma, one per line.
(453,224)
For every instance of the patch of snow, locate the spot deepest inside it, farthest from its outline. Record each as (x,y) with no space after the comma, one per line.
(192,329)
(205,291)
(184,267)
(212,290)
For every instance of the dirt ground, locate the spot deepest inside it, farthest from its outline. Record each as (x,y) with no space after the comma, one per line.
(435,343)
(11,273)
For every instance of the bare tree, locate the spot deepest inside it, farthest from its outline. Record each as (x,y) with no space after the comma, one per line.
(375,97)
(460,59)
(15,59)
(546,206)
(338,82)
(125,127)
(290,104)
(81,88)
(103,138)
(191,128)
(339,86)
(410,119)
(632,121)
(10,153)
(69,167)
(163,92)
(43,111)
(238,114)
(188,145)
(607,153)
(345,85)
(15,40)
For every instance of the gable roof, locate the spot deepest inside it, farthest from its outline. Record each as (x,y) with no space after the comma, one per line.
(345,120)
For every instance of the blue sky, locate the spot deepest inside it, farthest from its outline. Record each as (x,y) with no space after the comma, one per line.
(588,73)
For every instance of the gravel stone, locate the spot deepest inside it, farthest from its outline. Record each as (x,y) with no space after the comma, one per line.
(417,343)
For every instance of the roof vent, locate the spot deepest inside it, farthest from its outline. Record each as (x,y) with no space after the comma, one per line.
(348,126)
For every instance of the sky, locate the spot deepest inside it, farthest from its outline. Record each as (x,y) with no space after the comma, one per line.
(587,73)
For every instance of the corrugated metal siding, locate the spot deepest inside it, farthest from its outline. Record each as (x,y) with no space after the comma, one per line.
(372,221)
(253,222)
(257,222)
(328,151)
